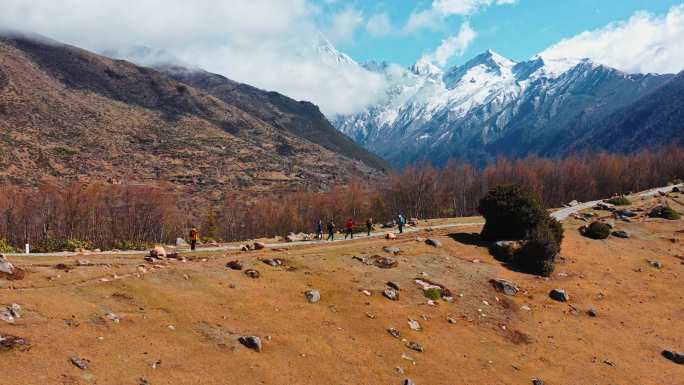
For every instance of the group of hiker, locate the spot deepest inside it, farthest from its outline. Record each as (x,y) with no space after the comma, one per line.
(350,226)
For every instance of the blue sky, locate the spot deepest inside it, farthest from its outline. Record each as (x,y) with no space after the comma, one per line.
(517,31)
(273,44)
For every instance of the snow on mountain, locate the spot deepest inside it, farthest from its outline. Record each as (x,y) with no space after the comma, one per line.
(480,109)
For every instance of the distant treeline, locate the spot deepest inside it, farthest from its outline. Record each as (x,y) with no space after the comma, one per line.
(106,214)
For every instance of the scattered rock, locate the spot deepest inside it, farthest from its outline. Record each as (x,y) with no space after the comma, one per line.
(158,252)
(393,285)
(433,242)
(676,357)
(626,213)
(451,320)
(656,264)
(506,250)
(414,325)
(80,363)
(251,273)
(390,236)
(620,234)
(537,381)
(394,332)
(504,286)
(391,250)
(9,342)
(259,245)
(604,206)
(592,312)
(312,296)
(414,346)
(559,295)
(391,294)
(274,262)
(409,381)
(384,262)
(9,271)
(573,203)
(244,248)
(430,287)
(234,265)
(251,342)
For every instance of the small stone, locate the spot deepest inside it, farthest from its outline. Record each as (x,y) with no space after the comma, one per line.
(259,245)
(391,294)
(390,236)
(171,327)
(251,273)
(592,312)
(414,325)
(559,295)
(433,242)
(313,296)
(80,363)
(451,320)
(394,332)
(234,265)
(414,346)
(620,234)
(525,307)
(504,286)
(251,342)
(656,264)
(366,292)
(391,250)
(409,381)
(676,357)
(393,285)
(537,381)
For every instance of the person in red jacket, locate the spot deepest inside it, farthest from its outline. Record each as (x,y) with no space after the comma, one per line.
(350,229)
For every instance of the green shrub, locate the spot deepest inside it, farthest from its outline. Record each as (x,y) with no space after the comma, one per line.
(5,247)
(511,212)
(665,212)
(54,245)
(619,201)
(433,293)
(597,230)
(538,254)
(132,245)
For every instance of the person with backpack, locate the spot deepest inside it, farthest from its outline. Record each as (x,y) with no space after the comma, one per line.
(401,221)
(319,230)
(350,229)
(369,225)
(194,237)
(331,230)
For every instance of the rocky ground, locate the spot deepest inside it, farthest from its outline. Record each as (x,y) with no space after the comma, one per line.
(117,319)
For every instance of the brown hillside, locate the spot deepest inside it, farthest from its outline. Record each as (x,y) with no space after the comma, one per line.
(68,114)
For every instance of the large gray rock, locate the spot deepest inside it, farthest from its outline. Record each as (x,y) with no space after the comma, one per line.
(504,286)
(391,250)
(251,342)
(391,294)
(559,295)
(312,296)
(433,242)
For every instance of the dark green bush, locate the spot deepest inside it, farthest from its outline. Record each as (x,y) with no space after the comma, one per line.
(619,201)
(515,212)
(132,245)
(538,254)
(54,245)
(511,212)
(597,230)
(665,212)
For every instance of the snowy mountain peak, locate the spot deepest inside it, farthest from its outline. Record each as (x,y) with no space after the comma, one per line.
(329,53)
(426,68)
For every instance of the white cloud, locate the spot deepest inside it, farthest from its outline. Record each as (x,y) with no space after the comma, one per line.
(451,46)
(380,25)
(266,43)
(345,24)
(644,43)
(433,17)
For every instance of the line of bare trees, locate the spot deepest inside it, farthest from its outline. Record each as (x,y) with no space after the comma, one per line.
(104,214)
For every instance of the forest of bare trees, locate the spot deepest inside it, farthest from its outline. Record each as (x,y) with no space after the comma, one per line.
(104,214)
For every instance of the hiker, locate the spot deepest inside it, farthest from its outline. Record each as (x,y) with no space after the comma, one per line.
(319,230)
(194,237)
(401,222)
(369,225)
(350,229)
(331,231)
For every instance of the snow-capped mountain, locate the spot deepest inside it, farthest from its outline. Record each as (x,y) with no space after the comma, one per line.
(490,106)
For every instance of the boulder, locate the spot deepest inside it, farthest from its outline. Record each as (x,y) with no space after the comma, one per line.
(244,248)
(414,325)
(251,273)
(80,363)
(312,296)
(506,249)
(414,346)
(391,294)
(676,357)
(259,245)
(394,332)
(504,286)
(5,266)
(390,236)
(158,252)
(384,262)
(234,265)
(409,381)
(391,250)
(559,295)
(251,342)
(433,242)
(9,342)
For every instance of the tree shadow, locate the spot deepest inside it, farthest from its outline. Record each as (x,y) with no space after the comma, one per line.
(471,239)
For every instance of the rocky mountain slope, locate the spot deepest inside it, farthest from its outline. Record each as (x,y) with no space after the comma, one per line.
(68,114)
(492,106)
